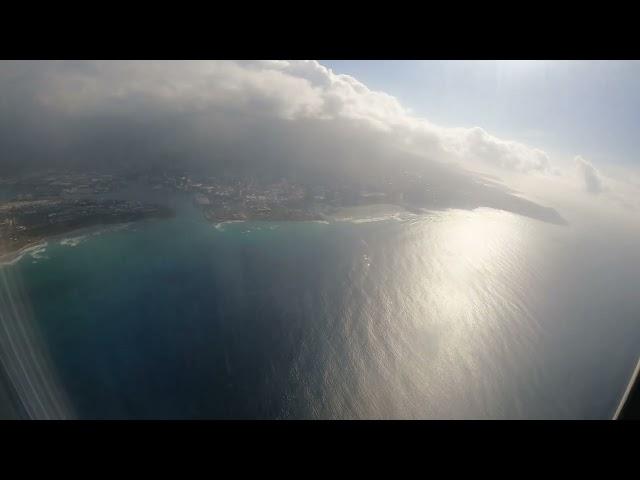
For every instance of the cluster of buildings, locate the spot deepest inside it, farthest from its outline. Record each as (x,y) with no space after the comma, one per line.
(52,202)
(22,222)
(251,191)
(50,185)
(226,198)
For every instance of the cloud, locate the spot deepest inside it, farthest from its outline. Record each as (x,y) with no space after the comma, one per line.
(591,179)
(289,90)
(477,145)
(269,115)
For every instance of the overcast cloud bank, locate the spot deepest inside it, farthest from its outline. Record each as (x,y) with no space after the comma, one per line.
(262,113)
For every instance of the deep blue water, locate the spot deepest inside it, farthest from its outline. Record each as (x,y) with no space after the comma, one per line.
(452,315)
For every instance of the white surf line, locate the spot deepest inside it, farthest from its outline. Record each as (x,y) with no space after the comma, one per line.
(632,382)
(14,257)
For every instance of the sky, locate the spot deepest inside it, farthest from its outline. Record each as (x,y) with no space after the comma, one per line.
(591,108)
(552,141)
(549,130)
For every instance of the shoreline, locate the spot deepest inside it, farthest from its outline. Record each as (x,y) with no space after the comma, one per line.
(10,258)
(369,212)
(337,216)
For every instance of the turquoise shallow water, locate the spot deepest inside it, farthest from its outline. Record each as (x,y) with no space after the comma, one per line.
(454,314)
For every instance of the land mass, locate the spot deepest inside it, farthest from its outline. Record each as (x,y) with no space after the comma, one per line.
(50,203)
(24,223)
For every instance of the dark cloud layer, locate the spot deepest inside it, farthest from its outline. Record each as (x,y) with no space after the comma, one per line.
(260,118)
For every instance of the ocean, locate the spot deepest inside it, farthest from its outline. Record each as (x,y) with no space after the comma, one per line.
(451,314)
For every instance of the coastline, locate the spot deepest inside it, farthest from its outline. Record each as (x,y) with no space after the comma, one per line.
(11,252)
(358,214)
(11,257)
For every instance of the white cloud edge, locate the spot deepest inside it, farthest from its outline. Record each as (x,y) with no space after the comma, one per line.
(292,90)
